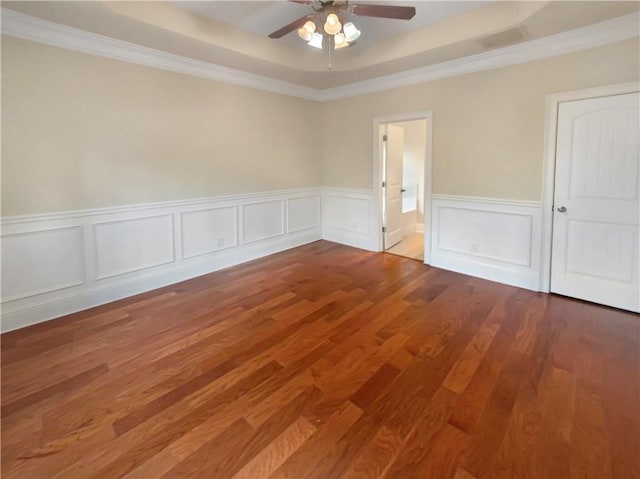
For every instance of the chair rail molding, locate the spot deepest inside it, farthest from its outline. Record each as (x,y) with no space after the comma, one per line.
(490,238)
(80,259)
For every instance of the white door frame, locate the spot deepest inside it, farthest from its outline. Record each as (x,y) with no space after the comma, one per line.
(428,176)
(549,166)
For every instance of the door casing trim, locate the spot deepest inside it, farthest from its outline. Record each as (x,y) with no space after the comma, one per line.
(428,175)
(549,163)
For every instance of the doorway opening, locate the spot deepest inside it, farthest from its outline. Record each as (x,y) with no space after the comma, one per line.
(404,185)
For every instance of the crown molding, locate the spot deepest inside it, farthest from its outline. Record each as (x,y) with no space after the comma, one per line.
(50,33)
(591,36)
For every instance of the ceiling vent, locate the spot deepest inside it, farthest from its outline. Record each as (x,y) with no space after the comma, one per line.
(504,38)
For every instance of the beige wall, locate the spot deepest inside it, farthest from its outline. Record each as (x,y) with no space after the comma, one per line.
(82,131)
(488,127)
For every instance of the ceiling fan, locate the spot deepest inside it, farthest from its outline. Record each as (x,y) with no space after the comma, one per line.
(328,12)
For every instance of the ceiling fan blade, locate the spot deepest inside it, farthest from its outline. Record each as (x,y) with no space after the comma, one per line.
(384,11)
(292,26)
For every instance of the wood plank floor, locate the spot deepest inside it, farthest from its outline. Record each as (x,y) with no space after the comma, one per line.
(326,362)
(411,246)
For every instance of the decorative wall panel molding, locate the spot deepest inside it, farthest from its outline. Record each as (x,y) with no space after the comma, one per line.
(56,264)
(262,220)
(494,239)
(299,217)
(347,217)
(208,230)
(133,244)
(41,261)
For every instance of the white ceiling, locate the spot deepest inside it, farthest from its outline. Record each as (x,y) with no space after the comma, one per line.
(233,34)
(264,17)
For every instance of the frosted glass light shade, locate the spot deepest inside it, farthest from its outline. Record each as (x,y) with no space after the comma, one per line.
(332,25)
(316,40)
(351,33)
(340,41)
(309,26)
(306,32)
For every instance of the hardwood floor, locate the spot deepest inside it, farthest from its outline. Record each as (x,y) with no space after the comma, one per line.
(326,362)
(411,246)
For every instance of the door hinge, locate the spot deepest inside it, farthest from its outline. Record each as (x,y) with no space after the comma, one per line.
(384,137)
(384,184)
(384,229)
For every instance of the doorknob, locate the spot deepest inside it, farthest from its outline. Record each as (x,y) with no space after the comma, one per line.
(561,209)
(402,190)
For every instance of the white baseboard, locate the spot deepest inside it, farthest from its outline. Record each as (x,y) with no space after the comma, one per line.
(78,260)
(57,264)
(356,240)
(489,238)
(44,311)
(505,275)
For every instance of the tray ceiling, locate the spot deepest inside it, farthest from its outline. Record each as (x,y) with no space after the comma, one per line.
(234,34)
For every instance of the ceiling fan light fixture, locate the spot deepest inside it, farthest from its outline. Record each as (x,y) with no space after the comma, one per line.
(306,32)
(340,41)
(316,40)
(332,25)
(309,26)
(351,33)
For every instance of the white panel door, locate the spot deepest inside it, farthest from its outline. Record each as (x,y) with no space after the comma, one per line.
(394,152)
(595,251)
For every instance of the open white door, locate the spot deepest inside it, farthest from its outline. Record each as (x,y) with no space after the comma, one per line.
(595,245)
(394,152)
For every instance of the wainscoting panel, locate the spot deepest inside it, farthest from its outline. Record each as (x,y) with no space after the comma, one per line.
(56,264)
(347,217)
(262,220)
(39,262)
(304,213)
(134,244)
(464,230)
(489,238)
(210,230)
